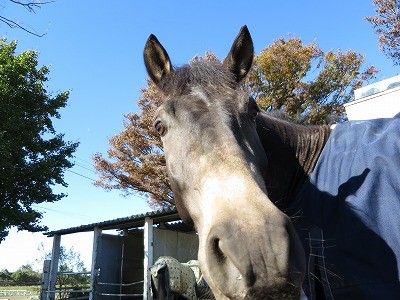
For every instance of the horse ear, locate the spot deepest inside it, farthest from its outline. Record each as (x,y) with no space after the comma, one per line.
(240,57)
(156,59)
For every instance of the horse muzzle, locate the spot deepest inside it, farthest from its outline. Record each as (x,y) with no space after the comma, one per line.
(253,261)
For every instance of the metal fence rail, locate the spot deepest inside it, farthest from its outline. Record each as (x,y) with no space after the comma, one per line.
(120,284)
(74,273)
(120,295)
(68,291)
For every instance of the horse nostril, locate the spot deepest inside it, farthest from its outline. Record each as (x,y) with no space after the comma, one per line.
(233,270)
(216,247)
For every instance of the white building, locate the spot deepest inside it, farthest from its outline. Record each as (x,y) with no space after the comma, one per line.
(378,100)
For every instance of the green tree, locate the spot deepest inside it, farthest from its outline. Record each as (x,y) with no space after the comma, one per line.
(280,80)
(5,276)
(33,157)
(25,275)
(70,261)
(386,23)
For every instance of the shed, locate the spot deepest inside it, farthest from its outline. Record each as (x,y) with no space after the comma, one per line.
(120,263)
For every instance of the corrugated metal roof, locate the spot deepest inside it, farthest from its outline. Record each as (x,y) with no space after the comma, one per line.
(161,215)
(179,226)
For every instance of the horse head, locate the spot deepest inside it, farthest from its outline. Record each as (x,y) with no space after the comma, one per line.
(248,248)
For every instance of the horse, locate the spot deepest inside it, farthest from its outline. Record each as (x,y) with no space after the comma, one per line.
(172,280)
(239,176)
(216,163)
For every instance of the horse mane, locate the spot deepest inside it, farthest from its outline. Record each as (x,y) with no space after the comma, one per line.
(292,150)
(212,76)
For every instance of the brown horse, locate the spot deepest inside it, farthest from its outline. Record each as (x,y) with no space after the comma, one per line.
(233,170)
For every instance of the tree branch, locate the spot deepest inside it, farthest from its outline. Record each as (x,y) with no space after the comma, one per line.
(30,6)
(13,24)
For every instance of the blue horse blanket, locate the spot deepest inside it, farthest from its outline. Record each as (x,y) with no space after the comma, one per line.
(349,212)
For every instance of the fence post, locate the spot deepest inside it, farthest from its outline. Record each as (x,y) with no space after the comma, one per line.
(45,279)
(94,271)
(148,257)
(55,255)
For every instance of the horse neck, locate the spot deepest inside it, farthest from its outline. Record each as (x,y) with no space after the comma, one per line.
(292,152)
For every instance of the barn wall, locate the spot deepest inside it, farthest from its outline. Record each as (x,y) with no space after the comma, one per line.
(180,245)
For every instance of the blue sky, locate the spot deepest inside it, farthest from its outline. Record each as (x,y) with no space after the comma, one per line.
(95,48)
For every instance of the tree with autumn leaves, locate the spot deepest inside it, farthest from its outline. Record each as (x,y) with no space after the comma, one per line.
(279,81)
(386,24)
(135,159)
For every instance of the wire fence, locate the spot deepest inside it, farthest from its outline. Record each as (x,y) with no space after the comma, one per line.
(5,293)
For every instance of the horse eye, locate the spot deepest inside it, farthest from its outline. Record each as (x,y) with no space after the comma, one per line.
(254,112)
(253,109)
(160,128)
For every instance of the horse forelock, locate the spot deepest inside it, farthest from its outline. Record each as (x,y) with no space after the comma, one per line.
(211,76)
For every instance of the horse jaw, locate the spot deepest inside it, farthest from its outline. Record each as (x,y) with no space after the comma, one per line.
(242,233)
